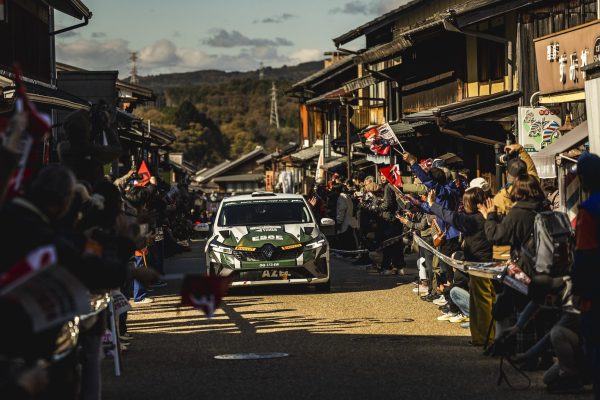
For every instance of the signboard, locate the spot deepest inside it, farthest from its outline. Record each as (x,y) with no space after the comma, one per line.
(560,56)
(538,127)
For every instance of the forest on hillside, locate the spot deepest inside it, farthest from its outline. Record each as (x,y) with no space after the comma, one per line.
(213,122)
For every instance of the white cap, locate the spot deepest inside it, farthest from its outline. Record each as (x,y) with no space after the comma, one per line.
(480,183)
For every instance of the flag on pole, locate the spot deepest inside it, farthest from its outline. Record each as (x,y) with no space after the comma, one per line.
(36,260)
(392,174)
(381,139)
(204,292)
(144,172)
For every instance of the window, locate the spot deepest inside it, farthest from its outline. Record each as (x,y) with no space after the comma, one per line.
(491,56)
(264,213)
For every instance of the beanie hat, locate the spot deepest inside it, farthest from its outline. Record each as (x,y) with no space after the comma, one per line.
(588,166)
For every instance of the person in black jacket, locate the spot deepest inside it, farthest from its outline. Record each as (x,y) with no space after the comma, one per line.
(393,255)
(515,229)
(476,248)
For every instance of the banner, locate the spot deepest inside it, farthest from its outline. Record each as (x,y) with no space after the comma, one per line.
(381,139)
(50,297)
(120,303)
(538,127)
(144,173)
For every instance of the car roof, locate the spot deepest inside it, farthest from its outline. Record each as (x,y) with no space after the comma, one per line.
(262,196)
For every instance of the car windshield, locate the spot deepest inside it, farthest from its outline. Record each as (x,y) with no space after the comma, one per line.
(264,212)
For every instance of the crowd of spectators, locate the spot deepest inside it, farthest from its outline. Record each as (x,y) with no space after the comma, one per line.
(462,219)
(110,232)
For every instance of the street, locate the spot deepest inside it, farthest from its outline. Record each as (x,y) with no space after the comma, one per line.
(370,338)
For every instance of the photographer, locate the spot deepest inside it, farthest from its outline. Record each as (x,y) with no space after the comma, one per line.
(518,162)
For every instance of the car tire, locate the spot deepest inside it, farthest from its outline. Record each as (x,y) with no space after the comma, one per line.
(323,287)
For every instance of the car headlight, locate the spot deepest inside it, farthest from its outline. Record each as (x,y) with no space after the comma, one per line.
(316,243)
(217,247)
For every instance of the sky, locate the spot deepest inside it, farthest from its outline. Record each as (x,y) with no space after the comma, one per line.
(231,35)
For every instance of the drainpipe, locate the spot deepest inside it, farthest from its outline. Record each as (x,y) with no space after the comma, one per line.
(449,26)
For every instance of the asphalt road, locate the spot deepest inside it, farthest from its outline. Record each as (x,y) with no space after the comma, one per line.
(370,338)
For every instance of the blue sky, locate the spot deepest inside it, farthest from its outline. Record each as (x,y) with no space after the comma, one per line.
(188,35)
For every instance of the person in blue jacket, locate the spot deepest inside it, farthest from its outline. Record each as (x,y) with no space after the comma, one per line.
(447,196)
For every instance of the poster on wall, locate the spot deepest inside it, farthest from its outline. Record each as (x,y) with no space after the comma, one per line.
(538,127)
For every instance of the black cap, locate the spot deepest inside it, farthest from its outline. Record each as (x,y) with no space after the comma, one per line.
(516,167)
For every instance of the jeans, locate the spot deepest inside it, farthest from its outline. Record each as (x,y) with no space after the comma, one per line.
(139,293)
(460,297)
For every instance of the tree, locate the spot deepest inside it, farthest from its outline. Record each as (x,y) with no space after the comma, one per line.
(186,114)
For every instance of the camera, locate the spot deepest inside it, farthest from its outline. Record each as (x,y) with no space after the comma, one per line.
(504,158)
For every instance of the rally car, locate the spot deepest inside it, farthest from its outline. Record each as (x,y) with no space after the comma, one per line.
(267,238)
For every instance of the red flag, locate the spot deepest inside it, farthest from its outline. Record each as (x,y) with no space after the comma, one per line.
(36,260)
(144,172)
(392,174)
(381,139)
(204,292)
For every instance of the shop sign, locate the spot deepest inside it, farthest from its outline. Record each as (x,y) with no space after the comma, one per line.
(538,127)
(560,57)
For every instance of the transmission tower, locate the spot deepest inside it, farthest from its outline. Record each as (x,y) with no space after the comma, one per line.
(133,72)
(274,120)
(261,72)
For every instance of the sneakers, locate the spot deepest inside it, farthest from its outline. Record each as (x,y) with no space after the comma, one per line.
(158,284)
(465,325)
(446,316)
(459,318)
(388,272)
(421,289)
(440,301)
(430,297)
(145,300)
(126,337)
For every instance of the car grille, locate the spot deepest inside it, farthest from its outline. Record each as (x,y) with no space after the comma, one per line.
(259,254)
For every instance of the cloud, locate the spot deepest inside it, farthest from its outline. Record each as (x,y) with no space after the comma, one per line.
(276,19)
(223,38)
(305,55)
(98,35)
(67,34)
(374,7)
(163,56)
(94,54)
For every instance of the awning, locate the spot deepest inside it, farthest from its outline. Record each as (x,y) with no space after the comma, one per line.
(334,69)
(360,83)
(74,8)
(239,178)
(335,162)
(545,160)
(383,51)
(562,97)
(333,95)
(307,154)
(42,93)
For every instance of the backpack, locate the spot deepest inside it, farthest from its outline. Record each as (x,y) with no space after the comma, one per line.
(551,247)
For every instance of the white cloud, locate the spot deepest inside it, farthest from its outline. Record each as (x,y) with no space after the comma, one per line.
(305,55)
(163,56)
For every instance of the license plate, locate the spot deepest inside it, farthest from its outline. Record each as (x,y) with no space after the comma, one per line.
(275,274)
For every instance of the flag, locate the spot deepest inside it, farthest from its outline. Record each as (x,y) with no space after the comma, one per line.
(381,139)
(392,174)
(144,172)
(32,142)
(320,175)
(204,292)
(36,260)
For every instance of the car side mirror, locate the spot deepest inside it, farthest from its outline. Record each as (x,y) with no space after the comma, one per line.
(327,222)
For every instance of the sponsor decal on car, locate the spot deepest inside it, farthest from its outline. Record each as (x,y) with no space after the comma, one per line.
(263,238)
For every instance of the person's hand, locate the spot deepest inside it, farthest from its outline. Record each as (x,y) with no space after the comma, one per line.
(34,379)
(513,148)
(402,219)
(130,172)
(145,276)
(513,330)
(409,158)
(431,197)
(312,201)
(487,208)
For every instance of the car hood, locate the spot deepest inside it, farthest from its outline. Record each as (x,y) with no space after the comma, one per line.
(257,236)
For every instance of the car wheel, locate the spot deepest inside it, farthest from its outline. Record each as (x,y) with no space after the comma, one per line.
(323,287)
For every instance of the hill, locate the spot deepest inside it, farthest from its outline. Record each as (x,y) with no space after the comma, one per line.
(217,115)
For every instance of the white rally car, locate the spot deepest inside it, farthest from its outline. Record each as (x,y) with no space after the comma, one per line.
(267,238)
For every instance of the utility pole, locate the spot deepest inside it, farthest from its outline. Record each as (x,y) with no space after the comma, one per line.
(274,119)
(133,79)
(261,71)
